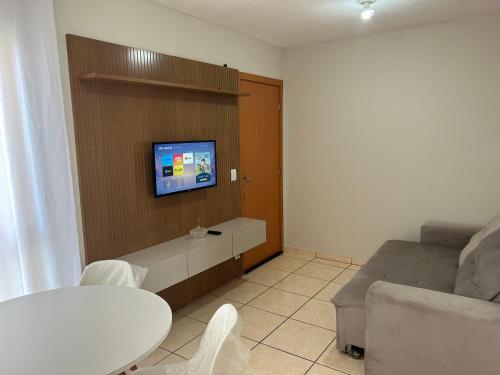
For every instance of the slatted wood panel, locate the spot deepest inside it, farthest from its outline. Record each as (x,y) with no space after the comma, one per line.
(114,127)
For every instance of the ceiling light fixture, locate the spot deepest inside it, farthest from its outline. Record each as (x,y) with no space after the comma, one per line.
(367,12)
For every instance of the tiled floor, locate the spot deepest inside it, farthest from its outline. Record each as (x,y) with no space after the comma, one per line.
(288,320)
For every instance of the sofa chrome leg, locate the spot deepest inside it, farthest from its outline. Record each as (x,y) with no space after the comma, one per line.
(354,351)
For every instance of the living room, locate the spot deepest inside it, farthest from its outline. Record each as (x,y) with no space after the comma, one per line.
(320,174)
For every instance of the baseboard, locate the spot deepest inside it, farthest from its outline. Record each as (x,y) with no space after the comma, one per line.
(327,255)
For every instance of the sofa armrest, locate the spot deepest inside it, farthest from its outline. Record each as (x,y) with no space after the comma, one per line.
(447,234)
(415,331)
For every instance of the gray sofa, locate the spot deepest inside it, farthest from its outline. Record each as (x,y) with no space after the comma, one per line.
(400,306)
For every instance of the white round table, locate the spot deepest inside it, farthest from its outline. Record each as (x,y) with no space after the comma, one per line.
(91,330)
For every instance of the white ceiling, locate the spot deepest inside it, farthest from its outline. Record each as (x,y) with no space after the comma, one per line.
(293,23)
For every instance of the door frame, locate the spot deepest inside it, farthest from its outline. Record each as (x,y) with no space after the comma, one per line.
(277,83)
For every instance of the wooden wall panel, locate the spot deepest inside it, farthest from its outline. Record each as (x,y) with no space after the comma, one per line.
(115,125)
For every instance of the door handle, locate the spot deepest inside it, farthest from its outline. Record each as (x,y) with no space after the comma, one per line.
(246,179)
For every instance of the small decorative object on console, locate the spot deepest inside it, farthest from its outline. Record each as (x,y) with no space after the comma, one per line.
(198,232)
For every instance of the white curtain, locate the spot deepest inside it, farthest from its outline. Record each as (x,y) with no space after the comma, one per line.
(38,233)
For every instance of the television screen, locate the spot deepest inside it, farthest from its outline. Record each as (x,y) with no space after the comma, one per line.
(183,166)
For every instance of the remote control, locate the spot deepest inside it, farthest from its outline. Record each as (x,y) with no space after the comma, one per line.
(214,232)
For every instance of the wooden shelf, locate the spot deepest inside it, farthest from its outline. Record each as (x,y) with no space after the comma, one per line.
(104,77)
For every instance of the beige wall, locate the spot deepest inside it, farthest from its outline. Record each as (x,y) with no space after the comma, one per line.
(384,132)
(145,24)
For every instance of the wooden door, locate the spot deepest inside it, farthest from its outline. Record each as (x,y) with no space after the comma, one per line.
(261,161)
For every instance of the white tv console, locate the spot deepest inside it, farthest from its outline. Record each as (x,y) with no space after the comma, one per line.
(174,261)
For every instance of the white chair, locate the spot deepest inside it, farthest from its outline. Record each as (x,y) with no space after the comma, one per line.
(113,272)
(221,351)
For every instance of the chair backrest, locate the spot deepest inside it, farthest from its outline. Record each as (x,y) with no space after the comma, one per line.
(221,349)
(113,272)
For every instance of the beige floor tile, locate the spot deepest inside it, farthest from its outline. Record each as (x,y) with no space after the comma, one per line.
(240,291)
(257,323)
(331,256)
(265,276)
(190,348)
(354,267)
(153,358)
(345,276)
(204,308)
(322,370)
(342,362)
(318,313)
(306,286)
(328,292)
(301,339)
(268,361)
(183,330)
(331,262)
(284,263)
(171,359)
(320,271)
(249,343)
(297,253)
(279,302)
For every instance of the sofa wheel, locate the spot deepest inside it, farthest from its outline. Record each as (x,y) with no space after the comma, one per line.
(354,351)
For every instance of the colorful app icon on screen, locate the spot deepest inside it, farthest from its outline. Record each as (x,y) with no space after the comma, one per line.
(168,171)
(203,177)
(188,158)
(167,160)
(178,159)
(178,170)
(202,161)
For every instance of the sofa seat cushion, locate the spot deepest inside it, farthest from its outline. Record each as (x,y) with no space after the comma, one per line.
(402,262)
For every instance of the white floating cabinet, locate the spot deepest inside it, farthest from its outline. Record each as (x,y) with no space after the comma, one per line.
(166,272)
(209,254)
(249,237)
(174,261)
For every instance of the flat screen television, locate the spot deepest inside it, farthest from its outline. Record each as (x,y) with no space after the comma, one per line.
(183,166)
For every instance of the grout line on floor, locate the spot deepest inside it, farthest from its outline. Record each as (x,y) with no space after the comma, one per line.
(303,295)
(168,355)
(261,342)
(314,325)
(333,281)
(336,369)
(287,318)
(314,361)
(175,352)
(268,288)
(295,355)
(323,352)
(309,369)
(247,281)
(290,318)
(330,368)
